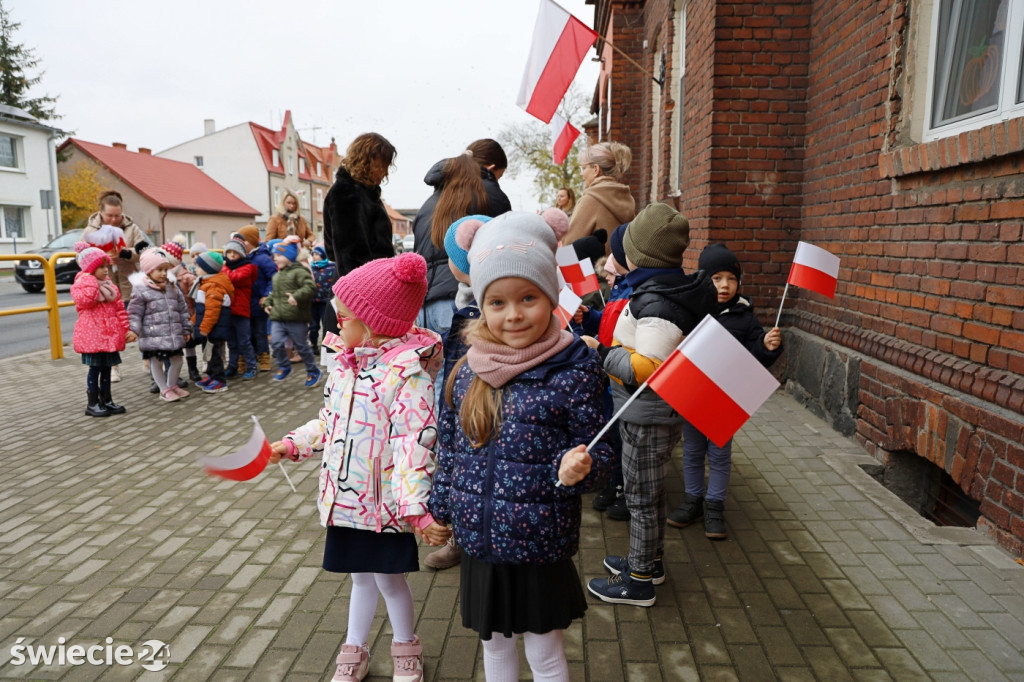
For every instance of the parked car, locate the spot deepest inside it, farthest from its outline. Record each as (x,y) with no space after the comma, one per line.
(29,273)
(396,241)
(408,241)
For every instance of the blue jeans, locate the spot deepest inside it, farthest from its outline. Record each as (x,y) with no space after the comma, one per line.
(240,343)
(695,447)
(298,332)
(258,332)
(437,317)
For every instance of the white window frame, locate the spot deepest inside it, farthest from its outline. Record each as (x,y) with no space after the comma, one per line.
(319,168)
(291,165)
(1008,107)
(213,240)
(27,236)
(319,200)
(277,198)
(17,149)
(302,165)
(275,158)
(304,200)
(190,238)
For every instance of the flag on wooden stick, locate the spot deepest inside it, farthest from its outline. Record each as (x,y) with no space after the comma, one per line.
(560,42)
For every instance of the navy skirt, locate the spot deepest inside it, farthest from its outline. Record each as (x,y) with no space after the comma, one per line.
(101,359)
(517,598)
(352,550)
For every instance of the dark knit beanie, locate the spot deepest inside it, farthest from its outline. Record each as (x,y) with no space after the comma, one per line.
(657,237)
(718,258)
(209,263)
(618,250)
(591,247)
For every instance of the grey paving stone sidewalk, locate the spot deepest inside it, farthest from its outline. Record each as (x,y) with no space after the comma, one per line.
(108,529)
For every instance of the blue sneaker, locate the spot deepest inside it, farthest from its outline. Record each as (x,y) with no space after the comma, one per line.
(623,589)
(282,373)
(615,565)
(215,387)
(313,378)
(249,375)
(202,383)
(231,373)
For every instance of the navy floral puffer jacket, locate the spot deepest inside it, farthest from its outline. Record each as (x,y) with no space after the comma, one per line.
(501,500)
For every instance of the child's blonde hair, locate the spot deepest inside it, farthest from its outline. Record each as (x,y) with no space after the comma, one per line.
(369,337)
(480,413)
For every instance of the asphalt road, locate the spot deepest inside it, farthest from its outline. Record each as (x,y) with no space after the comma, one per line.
(30,331)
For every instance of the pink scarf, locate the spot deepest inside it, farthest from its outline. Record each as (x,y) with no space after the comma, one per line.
(108,292)
(497,364)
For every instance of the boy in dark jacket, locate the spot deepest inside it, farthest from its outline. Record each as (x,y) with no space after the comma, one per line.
(325,274)
(213,316)
(736,314)
(665,306)
(260,256)
(289,304)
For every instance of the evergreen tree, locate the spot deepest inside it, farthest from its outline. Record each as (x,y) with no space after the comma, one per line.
(15,61)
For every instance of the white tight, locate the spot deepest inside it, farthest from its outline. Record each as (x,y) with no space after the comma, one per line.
(165,380)
(363,605)
(545,654)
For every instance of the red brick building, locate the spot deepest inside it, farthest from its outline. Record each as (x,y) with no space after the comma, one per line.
(891,134)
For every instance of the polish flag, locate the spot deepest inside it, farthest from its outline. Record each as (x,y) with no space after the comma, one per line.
(814,268)
(563,134)
(569,264)
(560,42)
(713,381)
(244,464)
(568,304)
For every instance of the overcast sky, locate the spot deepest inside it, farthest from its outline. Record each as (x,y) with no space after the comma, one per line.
(431,76)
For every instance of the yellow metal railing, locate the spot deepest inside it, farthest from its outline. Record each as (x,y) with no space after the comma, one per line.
(52,305)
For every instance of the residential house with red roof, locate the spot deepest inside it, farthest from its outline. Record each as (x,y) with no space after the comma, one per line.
(164,197)
(260,164)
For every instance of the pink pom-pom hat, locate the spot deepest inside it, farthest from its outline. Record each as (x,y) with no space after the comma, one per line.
(387,293)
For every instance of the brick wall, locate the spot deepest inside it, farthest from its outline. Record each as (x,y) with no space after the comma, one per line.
(796,128)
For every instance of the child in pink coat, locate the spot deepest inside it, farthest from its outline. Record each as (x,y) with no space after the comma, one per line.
(102,328)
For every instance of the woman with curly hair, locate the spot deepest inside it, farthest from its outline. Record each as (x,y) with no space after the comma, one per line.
(287,220)
(357,228)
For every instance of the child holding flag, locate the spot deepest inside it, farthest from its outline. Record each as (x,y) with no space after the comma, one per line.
(376,435)
(736,314)
(665,305)
(512,460)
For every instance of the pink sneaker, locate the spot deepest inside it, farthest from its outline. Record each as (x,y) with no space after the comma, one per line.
(408,658)
(353,664)
(182,393)
(170,395)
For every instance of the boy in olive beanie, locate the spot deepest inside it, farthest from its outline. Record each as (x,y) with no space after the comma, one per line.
(664,306)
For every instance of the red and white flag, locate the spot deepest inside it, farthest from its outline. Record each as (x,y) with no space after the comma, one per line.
(568,304)
(569,264)
(244,464)
(560,42)
(713,381)
(563,134)
(814,268)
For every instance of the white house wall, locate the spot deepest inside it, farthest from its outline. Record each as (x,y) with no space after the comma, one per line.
(20,187)
(231,157)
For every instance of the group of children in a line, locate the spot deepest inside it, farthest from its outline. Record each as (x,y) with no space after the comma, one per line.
(221,302)
(502,461)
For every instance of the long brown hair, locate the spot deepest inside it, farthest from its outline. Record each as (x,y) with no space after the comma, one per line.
(363,151)
(463,189)
(480,412)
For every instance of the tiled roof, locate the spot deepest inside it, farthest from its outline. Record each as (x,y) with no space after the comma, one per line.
(267,141)
(173,185)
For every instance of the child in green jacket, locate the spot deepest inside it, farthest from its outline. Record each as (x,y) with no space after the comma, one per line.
(289,305)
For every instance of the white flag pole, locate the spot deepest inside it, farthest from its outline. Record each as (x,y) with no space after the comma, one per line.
(779,316)
(286,476)
(604,429)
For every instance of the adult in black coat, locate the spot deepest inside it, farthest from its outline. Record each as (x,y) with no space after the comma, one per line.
(464,185)
(356,224)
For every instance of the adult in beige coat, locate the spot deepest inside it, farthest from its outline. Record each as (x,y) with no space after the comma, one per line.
(606,202)
(287,221)
(124,256)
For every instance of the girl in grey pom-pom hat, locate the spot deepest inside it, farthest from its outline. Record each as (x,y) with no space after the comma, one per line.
(525,400)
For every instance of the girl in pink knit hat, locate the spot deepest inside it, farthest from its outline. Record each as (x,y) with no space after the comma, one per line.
(375,436)
(102,328)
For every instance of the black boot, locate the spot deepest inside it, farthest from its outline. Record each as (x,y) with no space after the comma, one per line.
(689,511)
(108,402)
(96,408)
(605,498)
(193,369)
(714,520)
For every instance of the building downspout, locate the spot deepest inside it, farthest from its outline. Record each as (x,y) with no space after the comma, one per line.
(54,184)
(163,235)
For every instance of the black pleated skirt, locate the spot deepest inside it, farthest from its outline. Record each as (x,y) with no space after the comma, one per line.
(352,550)
(101,359)
(513,599)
